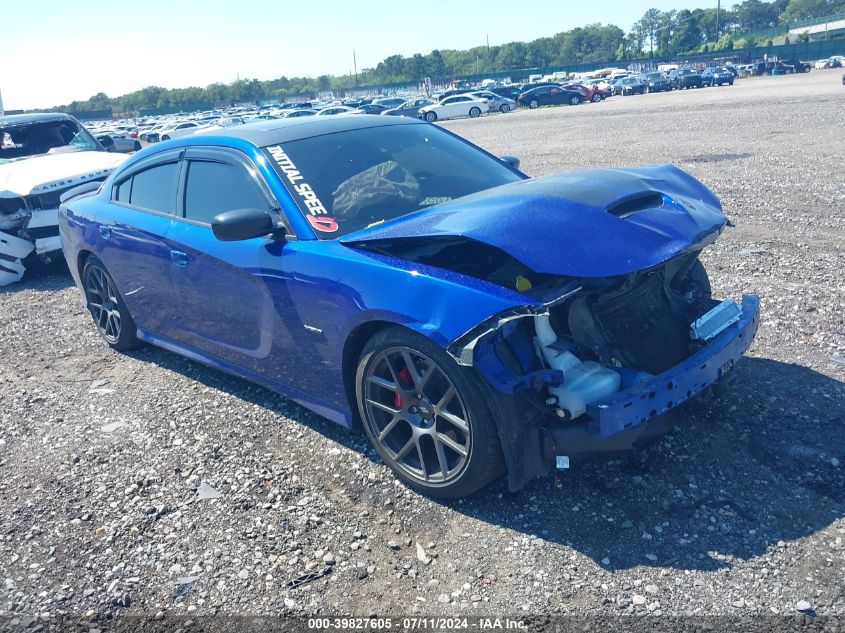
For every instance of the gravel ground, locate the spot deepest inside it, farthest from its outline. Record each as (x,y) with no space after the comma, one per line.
(145,484)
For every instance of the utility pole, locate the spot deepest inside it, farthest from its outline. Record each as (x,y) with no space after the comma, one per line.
(355,65)
(718,10)
(488,42)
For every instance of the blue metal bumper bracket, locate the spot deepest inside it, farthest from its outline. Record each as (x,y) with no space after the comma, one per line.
(644,401)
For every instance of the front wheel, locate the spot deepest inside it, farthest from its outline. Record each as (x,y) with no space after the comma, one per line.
(165,137)
(533,104)
(504,108)
(475,112)
(426,416)
(431,117)
(107,308)
(597,98)
(137,146)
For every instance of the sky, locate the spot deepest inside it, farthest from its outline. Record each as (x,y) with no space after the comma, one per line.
(53,52)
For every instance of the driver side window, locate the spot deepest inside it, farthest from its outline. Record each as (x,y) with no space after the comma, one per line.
(215,187)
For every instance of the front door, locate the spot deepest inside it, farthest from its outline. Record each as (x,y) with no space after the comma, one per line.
(227,309)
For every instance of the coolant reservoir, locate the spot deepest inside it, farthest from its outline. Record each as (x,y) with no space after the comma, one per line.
(583,381)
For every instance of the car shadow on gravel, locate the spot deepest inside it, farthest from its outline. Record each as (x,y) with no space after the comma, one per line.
(763,465)
(736,476)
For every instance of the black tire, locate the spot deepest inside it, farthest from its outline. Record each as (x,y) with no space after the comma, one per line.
(574,101)
(431,117)
(533,104)
(474,112)
(137,146)
(394,418)
(597,97)
(504,108)
(165,138)
(107,308)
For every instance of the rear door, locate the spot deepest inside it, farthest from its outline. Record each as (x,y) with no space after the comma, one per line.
(460,106)
(226,308)
(131,239)
(557,95)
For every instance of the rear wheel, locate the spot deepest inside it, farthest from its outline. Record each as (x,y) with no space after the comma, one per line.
(475,112)
(574,101)
(426,416)
(107,307)
(504,108)
(431,117)
(533,104)
(136,146)
(165,137)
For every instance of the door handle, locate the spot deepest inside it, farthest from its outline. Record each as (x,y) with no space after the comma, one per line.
(105,232)
(179,258)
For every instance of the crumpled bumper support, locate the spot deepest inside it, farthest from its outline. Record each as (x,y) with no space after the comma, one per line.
(646,400)
(43,224)
(13,250)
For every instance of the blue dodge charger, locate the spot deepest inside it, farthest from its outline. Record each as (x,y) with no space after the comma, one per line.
(382,271)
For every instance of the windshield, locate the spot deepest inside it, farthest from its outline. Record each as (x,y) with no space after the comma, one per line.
(347,181)
(654,76)
(44,137)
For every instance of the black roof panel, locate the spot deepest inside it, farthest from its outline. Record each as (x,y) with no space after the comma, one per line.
(272,131)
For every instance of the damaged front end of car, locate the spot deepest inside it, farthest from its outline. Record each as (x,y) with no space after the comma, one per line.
(595,369)
(618,326)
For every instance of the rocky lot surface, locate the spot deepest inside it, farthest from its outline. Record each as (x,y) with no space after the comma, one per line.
(145,484)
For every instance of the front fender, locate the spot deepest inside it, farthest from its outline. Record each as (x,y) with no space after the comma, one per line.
(438,304)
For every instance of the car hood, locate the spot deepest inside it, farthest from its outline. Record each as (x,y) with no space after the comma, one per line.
(41,174)
(596,223)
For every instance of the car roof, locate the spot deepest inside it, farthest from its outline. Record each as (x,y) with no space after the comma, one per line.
(270,132)
(13,120)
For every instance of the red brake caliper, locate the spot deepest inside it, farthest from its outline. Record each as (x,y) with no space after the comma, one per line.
(405,379)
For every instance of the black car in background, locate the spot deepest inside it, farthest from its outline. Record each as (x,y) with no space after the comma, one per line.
(549,95)
(630,86)
(687,78)
(796,66)
(370,108)
(717,76)
(656,82)
(511,92)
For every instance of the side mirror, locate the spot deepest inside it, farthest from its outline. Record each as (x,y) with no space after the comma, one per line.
(243,224)
(107,142)
(513,161)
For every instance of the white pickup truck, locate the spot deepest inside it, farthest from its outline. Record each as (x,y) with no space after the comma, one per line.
(41,157)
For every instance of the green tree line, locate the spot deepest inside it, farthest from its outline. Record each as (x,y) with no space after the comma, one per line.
(657,33)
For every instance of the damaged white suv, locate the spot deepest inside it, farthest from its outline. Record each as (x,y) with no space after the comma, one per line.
(41,157)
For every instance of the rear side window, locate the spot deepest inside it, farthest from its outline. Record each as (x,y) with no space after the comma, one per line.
(152,189)
(213,188)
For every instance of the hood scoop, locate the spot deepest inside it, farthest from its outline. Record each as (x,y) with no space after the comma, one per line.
(638,202)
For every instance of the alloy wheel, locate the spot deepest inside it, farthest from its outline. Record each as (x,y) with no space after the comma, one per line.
(416,415)
(103,303)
